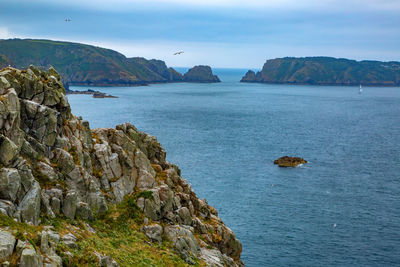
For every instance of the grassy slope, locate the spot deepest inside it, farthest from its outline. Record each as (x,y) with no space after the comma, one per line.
(117,235)
(84,64)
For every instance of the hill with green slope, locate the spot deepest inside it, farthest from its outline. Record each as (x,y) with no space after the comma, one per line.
(327,71)
(81,64)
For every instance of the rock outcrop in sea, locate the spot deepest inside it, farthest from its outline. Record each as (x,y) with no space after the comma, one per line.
(200,74)
(74,195)
(287,161)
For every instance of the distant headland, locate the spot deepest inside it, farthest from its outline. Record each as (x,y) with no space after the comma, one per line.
(326,71)
(81,64)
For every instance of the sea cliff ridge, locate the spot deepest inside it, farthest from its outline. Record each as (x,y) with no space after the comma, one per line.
(326,71)
(71,195)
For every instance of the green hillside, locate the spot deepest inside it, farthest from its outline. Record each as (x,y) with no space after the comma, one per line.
(327,71)
(82,64)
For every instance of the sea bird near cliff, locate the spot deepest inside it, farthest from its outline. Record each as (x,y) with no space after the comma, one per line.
(178,53)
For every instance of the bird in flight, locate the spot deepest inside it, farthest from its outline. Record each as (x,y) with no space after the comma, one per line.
(178,53)
(67,20)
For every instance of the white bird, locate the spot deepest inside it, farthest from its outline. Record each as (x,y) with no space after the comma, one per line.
(334,225)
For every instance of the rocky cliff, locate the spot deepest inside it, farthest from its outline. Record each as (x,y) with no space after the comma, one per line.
(80,64)
(72,196)
(326,71)
(200,74)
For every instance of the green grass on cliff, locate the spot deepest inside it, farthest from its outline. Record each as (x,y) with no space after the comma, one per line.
(83,64)
(117,234)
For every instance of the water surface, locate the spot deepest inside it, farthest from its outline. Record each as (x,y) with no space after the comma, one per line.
(225,137)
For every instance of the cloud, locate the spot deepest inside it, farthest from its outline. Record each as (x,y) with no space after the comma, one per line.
(4,33)
(328,5)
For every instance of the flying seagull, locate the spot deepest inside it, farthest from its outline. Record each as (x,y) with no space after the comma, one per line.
(178,53)
(67,20)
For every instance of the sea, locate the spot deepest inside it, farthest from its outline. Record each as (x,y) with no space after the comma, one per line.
(342,208)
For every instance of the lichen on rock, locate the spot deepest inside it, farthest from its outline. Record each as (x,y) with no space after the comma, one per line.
(54,167)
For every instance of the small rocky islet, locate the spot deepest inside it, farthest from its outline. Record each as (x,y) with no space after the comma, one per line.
(287,161)
(200,74)
(75,196)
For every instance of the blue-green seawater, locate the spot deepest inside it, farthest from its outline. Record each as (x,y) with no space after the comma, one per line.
(226,136)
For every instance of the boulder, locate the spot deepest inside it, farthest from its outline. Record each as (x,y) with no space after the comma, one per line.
(7,243)
(289,161)
(30,258)
(30,205)
(9,150)
(153,232)
(10,182)
(184,242)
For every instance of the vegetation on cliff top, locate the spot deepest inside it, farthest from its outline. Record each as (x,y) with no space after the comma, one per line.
(327,71)
(85,64)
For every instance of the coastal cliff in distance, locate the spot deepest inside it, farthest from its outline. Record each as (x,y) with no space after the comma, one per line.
(200,74)
(80,64)
(75,196)
(326,71)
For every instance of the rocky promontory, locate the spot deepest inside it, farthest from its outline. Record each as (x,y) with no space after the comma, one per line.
(75,196)
(326,71)
(200,74)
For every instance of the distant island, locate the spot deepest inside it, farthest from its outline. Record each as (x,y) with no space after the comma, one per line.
(81,64)
(201,74)
(326,71)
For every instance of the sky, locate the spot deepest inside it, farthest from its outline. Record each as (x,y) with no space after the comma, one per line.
(219,33)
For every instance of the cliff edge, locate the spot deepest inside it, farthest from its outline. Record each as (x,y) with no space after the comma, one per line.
(71,195)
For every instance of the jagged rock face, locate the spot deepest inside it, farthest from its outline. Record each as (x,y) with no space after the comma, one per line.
(52,163)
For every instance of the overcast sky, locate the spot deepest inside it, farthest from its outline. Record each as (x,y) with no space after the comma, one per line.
(220,33)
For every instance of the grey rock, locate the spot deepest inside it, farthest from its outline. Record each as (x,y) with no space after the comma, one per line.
(153,232)
(29,258)
(69,205)
(10,182)
(184,242)
(8,149)
(184,215)
(7,206)
(7,243)
(46,170)
(70,240)
(105,261)
(214,258)
(83,211)
(30,205)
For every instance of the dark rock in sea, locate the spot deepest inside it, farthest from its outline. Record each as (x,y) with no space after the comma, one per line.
(102,95)
(200,74)
(95,94)
(249,77)
(289,161)
(326,71)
